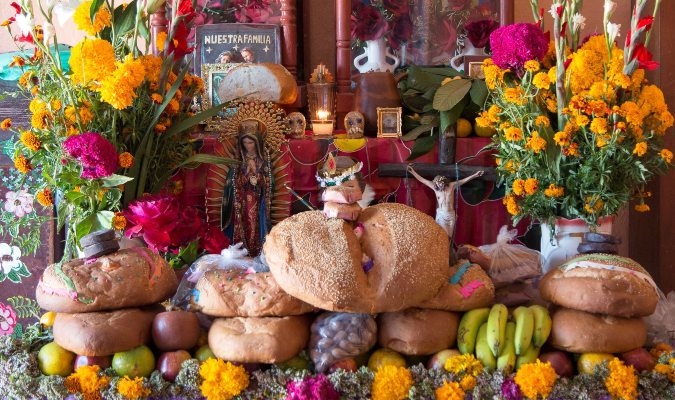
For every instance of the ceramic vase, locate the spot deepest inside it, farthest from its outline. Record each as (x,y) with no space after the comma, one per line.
(373,90)
(568,235)
(377,57)
(457,62)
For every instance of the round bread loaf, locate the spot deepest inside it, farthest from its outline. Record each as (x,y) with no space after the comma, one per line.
(474,289)
(259,340)
(417,331)
(236,293)
(128,278)
(581,332)
(601,284)
(261,81)
(319,260)
(103,333)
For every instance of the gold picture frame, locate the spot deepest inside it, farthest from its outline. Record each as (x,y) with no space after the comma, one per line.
(473,66)
(211,73)
(389,122)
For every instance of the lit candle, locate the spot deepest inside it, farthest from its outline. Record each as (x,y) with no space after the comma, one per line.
(322,115)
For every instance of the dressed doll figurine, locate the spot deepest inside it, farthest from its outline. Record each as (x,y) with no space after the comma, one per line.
(444,189)
(246,203)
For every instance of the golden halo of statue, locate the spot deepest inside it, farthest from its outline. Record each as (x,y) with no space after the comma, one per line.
(270,117)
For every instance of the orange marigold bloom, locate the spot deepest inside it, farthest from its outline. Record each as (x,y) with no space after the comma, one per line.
(160,42)
(6,124)
(172,107)
(513,134)
(531,186)
(599,126)
(126,160)
(642,207)
(30,140)
(562,138)
(159,129)
(518,187)
(554,191)
(157,98)
(571,151)
(119,222)
(640,149)
(593,205)
(22,164)
(667,155)
(536,143)
(17,61)
(511,205)
(45,197)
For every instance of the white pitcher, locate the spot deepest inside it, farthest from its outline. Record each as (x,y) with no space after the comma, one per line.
(457,62)
(377,57)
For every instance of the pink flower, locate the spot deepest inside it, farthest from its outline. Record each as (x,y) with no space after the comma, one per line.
(94,153)
(312,388)
(20,203)
(513,45)
(457,5)
(369,24)
(189,227)
(255,11)
(7,319)
(400,31)
(213,240)
(479,32)
(397,7)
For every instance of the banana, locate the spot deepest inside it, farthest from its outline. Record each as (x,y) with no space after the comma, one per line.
(542,325)
(496,328)
(468,329)
(507,361)
(524,328)
(483,351)
(529,356)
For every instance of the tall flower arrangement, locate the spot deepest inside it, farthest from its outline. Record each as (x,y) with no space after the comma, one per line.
(580,129)
(389,19)
(114,122)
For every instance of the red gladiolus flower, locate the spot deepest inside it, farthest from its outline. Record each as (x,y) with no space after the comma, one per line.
(369,24)
(396,7)
(400,31)
(28,38)
(559,11)
(213,240)
(178,46)
(479,32)
(644,57)
(185,8)
(629,35)
(646,22)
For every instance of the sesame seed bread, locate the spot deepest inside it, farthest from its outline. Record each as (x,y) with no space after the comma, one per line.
(320,260)
(418,332)
(474,290)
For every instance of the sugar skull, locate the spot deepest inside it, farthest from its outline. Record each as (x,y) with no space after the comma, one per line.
(298,124)
(354,122)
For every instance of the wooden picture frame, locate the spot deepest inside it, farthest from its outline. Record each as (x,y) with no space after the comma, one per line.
(473,66)
(389,122)
(210,74)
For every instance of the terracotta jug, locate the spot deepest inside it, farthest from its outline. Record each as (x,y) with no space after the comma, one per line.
(373,90)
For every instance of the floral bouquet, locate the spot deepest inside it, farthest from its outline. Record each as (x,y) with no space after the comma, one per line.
(579,129)
(111,125)
(383,18)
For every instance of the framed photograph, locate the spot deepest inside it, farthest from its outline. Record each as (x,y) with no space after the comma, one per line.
(237,43)
(389,122)
(213,75)
(473,66)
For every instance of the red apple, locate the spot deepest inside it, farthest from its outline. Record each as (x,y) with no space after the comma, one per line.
(639,358)
(175,330)
(103,362)
(169,363)
(347,364)
(437,361)
(560,361)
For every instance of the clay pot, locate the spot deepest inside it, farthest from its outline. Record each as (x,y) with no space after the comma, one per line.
(373,90)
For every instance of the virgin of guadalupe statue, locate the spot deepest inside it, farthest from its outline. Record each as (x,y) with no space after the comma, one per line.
(248,192)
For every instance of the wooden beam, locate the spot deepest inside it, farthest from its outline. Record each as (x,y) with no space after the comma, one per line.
(430,171)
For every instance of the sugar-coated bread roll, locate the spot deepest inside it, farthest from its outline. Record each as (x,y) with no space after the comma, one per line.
(264,82)
(473,289)
(320,260)
(128,278)
(417,331)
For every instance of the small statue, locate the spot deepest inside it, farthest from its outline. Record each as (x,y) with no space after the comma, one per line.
(354,122)
(298,125)
(445,197)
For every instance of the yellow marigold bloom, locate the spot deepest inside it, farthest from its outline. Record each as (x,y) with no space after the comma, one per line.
(511,166)
(30,140)
(513,134)
(589,62)
(72,131)
(599,126)
(515,95)
(666,155)
(85,114)
(490,117)
(119,89)
(621,383)
(536,379)
(600,142)
(598,108)
(562,138)
(640,149)
(450,391)
(119,222)
(91,60)
(593,204)
(464,364)
(532,65)
(602,90)
(505,125)
(581,120)
(518,187)
(542,120)
(126,160)
(622,80)
(493,74)
(45,197)
(153,66)
(6,124)
(56,105)
(26,78)
(34,91)
(551,105)
(40,119)
(541,81)
(86,380)
(554,191)
(157,98)
(133,388)
(160,42)
(665,120)
(468,382)
(660,348)
(391,383)
(636,80)
(571,151)
(222,380)
(536,143)
(82,18)
(511,205)
(552,74)
(642,207)
(172,107)
(531,186)
(22,164)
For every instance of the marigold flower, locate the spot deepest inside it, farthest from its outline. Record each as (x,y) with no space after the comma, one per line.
(642,207)
(562,138)
(159,129)
(86,380)
(464,364)
(45,197)
(660,348)
(513,134)
(541,81)
(6,124)
(582,120)
(536,143)
(593,205)
(17,61)
(536,379)
(621,383)
(133,388)
(91,60)
(640,149)
(119,222)
(391,383)
(450,391)
(34,91)
(82,18)
(172,107)
(56,104)
(157,98)
(40,118)
(30,140)
(493,74)
(511,205)
(554,191)
(518,187)
(599,126)
(119,88)
(571,151)
(551,105)
(83,112)
(531,186)
(542,120)
(160,42)
(468,382)
(153,66)
(515,95)
(532,65)
(126,160)
(222,380)
(666,155)
(22,164)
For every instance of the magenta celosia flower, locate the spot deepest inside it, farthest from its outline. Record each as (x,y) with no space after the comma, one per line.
(513,45)
(510,390)
(94,153)
(312,388)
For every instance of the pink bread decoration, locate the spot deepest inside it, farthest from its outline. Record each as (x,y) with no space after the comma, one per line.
(468,289)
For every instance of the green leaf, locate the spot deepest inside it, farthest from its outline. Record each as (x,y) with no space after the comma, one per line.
(417,132)
(75,197)
(115,180)
(95,6)
(422,146)
(194,120)
(24,307)
(84,227)
(13,276)
(103,220)
(448,118)
(448,95)
(18,331)
(478,92)
(422,80)
(125,18)
(194,161)
(23,271)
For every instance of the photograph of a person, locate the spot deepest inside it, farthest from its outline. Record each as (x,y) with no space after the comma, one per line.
(389,122)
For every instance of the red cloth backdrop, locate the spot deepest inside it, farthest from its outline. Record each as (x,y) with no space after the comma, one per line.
(476,224)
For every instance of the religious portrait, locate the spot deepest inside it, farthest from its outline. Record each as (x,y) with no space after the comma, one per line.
(389,122)
(214,88)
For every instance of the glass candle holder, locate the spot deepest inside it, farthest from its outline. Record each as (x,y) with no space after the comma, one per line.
(321,103)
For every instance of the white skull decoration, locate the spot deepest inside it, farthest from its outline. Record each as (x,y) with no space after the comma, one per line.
(354,122)
(298,124)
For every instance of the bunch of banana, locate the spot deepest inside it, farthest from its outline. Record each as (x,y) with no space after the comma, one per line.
(500,343)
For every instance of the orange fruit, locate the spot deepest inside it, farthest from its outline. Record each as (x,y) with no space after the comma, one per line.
(464,127)
(47,319)
(588,361)
(134,363)
(485,131)
(384,357)
(55,360)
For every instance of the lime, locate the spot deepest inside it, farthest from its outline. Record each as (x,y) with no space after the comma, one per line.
(134,363)
(55,360)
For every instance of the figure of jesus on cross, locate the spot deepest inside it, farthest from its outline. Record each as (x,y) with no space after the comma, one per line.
(444,189)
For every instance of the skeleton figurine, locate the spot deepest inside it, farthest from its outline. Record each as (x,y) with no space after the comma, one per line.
(445,197)
(298,124)
(354,122)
